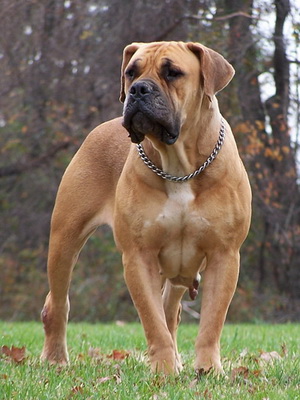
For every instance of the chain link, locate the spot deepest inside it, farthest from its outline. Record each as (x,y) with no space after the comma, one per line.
(185,178)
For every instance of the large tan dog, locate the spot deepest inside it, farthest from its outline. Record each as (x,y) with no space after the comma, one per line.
(169,229)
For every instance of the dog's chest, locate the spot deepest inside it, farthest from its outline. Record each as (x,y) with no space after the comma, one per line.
(179,225)
(177,210)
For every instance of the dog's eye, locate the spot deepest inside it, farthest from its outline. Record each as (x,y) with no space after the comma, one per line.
(172,74)
(130,73)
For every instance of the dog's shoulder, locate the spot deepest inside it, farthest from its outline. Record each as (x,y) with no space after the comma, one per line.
(108,138)
(110,132)
(105,148)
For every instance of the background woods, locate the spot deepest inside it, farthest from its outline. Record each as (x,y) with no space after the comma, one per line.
(59,77)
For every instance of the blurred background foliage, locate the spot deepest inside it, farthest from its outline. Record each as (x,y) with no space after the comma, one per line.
(59,77)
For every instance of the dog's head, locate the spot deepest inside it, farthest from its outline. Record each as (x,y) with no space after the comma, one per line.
(162,84)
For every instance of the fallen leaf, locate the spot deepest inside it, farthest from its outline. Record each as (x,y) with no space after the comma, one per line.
(239,372)
(5,350)
(206,394)
(193,383)
(284,350)
(256,373)
(77,389)
(161,395)
(270,356)
(243,353)
(119,354)
(115,377)
(16,354)
(251,390)
(95,353)
(80,357)
(104,379)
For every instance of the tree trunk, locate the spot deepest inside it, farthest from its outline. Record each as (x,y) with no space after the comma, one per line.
(271,156)
(242,54)
(285,174)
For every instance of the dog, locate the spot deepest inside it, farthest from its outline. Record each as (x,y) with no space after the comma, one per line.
(175,193)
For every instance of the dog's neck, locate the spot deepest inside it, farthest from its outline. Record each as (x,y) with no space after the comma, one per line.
(191,149)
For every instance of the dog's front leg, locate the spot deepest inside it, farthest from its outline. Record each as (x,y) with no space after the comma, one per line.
(145,283)
(219,284)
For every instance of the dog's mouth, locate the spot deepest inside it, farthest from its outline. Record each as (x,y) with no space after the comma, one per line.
(149,114)
(139,125)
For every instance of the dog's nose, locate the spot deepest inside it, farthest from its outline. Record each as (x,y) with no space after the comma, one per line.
(139,90)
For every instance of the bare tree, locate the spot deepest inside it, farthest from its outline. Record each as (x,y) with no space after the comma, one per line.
(271,156)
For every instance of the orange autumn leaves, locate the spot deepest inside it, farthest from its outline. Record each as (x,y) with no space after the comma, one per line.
(261,361)
(18,354)
(14,354)
(96,354)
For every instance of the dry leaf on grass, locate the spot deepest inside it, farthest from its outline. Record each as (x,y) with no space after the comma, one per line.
(115,355)
(16,354)
(284,350)
(161,395)
(95,352)
(104,379)
(119,355)
(241,371)
(207,395)
(269,356)
(243,353)
(256,372)
(115,377)
(194,383)
(77,389)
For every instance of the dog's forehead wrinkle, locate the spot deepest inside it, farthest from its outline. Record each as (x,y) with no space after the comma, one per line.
(135,64)
(166,52)
(167,62)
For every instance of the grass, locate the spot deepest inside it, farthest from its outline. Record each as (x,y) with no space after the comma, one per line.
(96,372)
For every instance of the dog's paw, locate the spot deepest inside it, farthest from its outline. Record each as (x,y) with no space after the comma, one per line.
(57,355)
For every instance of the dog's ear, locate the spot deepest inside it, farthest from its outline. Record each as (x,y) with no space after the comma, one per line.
(127,54)
(215,70)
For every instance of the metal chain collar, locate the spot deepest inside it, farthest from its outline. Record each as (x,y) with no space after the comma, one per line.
(185,178)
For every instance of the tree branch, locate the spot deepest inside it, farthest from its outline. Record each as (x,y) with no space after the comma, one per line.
(197,18)
(235,14)
(20,167)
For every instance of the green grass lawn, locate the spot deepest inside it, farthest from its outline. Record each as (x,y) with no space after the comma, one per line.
(108,361)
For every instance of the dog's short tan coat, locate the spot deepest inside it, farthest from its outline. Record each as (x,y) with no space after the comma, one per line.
(167,232)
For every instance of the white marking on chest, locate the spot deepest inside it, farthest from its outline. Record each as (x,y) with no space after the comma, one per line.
(181,223)
(179,199)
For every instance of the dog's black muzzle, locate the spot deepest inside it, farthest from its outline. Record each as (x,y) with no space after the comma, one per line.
(147,112)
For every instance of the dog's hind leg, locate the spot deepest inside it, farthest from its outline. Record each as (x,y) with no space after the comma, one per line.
(64,248)
(77,213)
(172,296)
